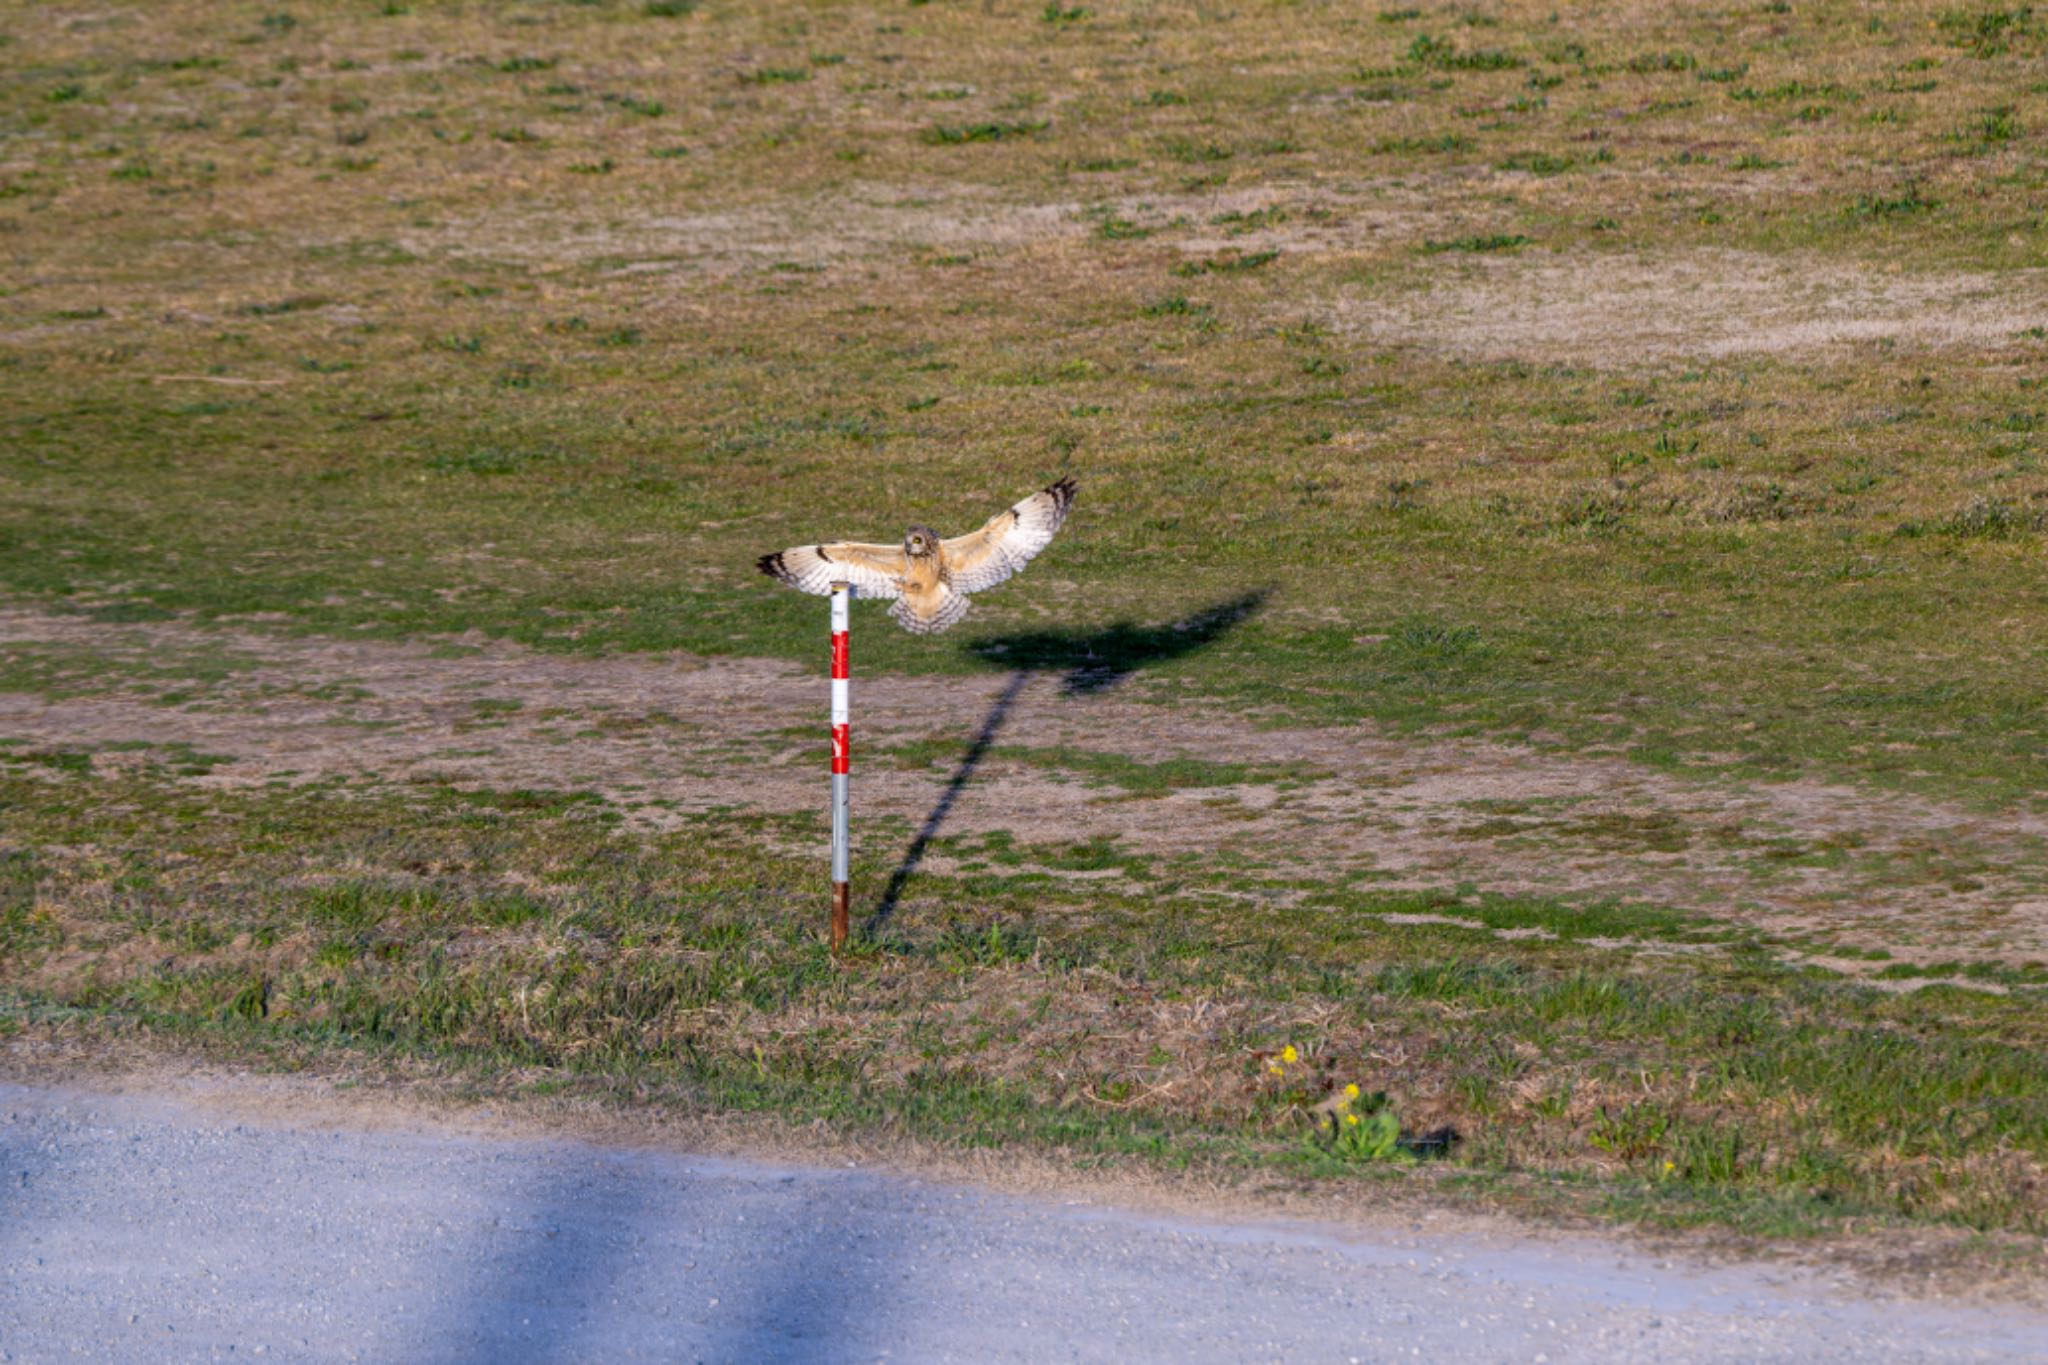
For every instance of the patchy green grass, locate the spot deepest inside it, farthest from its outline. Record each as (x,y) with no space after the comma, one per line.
(498,409)
(521,934)
(544,321)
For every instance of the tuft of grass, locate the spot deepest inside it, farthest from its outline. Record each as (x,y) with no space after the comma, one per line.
(1443,55)
(489,460)
(1411,145)
(1648,63)
(1537,163)
(1171,306)
(1195,153)
(1984,517)
(1880,207)
(1994,127)
(1988,32)
(1227,263)
(1500,241)
(947,135)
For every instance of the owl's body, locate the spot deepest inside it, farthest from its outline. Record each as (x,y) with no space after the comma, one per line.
(929,578)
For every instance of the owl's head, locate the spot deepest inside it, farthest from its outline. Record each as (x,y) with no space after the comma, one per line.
(920,541)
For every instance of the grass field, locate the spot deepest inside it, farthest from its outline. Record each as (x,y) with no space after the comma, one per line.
(1552,630)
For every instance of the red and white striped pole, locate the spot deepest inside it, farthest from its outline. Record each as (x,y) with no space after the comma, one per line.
(842,767)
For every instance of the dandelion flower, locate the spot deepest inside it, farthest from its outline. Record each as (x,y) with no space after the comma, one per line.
(1351,1091)
(1351,1118)
(1274,1069)
(1288,1054)
(1670,1166)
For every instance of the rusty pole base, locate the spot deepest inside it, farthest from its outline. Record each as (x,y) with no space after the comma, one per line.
(841,897)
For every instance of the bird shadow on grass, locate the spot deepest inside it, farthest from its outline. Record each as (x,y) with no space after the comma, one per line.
(1088,662)
(1091,661)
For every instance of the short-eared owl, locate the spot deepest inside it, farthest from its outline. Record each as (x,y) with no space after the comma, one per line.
(931,579)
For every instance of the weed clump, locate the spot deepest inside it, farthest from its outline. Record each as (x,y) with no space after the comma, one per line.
(1348,1122)
(1538,163)
(1172,306)
(1993,128)
(1440,54)
(1648,62)
(1988,32)
(945,135)
(1878,207)
(1228,263)
(1766,501)
(1445,142)
(1983,518)
(1495,241)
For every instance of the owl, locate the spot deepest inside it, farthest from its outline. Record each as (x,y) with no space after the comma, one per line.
(929,578)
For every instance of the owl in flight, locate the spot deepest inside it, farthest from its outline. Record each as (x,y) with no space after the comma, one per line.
(931,579)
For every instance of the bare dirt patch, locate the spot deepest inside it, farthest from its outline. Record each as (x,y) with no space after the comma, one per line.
(872,220)
(1617,310)
(661,737)
(805,232)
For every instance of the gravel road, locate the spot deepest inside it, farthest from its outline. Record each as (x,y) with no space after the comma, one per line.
(150,1228)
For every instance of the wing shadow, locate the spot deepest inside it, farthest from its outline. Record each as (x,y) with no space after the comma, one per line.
(1093,661)
(1089,662)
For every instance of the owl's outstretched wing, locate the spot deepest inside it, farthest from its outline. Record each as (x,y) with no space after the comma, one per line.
(984,558)
(874,570)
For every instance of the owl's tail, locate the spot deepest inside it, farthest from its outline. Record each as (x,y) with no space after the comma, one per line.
(950,609)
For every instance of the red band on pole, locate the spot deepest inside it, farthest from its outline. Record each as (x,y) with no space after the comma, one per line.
(839,660)
(842,744)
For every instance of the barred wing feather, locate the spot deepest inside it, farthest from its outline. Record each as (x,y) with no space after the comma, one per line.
(874,570)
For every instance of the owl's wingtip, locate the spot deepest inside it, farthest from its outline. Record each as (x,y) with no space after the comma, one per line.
(773,566)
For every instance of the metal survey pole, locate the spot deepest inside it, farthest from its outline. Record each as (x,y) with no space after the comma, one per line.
(842,593)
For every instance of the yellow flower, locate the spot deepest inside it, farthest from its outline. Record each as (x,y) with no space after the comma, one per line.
(1351,1118)
(1670,1166)
(1351,1091)
(1288,1054)
(1273,1069)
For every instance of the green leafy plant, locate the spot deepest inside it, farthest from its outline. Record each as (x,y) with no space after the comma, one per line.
(1375,1136)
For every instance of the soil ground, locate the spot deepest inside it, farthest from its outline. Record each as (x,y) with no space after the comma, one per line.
(663,738)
